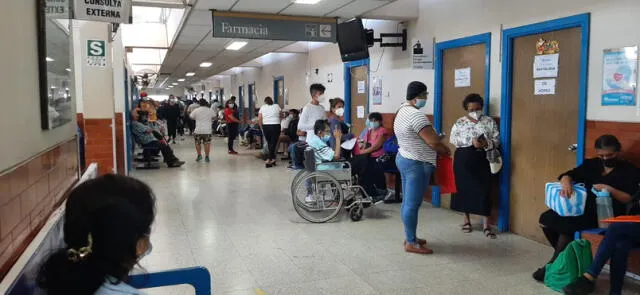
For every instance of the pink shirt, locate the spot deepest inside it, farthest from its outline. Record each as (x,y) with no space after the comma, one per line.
(372,136)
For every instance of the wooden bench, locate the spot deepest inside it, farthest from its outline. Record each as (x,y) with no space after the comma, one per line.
(21,279)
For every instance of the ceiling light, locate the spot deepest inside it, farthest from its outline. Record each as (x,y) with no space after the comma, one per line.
(181,80)
(190,74)
(174,83)
(68,70)
(50,59)
(237,45)
(306,1)
(205,64)
(170,86)
(53,87)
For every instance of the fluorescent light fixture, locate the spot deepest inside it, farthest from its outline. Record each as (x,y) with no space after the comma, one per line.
(53,87)
(170,86)
(174,83)
(181,80)
(50,59)
(205,64)
(190,74)
(236,45)
(68,70)
(306,1)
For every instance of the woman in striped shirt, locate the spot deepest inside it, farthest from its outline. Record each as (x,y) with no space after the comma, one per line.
(419,147)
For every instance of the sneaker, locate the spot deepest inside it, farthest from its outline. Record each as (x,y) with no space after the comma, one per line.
(538,275)
(309,199)
(377,199)
(581,286)
(206,159)
(175,164)
(233,153)
(199,158)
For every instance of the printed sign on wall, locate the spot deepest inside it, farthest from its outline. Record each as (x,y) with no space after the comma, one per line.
(545,66)
(109,11)
(619,76)
(462,78)
(96,53)
(57,9)
(545,87)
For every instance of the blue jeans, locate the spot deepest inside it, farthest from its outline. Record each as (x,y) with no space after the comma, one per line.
(619,239)
(415,180)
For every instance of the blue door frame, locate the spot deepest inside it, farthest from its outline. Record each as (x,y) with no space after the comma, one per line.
(437,102)
(276,100)
(251,98)
(127,123)
(240,103)
(578,21)
(347,86)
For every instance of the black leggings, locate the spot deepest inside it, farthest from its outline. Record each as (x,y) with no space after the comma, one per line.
(272,134)
(172,128)
(232,133)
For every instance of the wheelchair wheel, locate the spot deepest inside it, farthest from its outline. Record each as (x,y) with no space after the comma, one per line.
(356,212)
(294,183)
(317,197)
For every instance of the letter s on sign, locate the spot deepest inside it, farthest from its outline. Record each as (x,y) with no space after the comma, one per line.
(95,48)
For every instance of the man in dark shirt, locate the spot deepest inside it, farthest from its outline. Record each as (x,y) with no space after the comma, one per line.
(148,138)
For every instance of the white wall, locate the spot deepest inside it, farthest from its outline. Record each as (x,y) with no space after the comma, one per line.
(614,23)
(20,118)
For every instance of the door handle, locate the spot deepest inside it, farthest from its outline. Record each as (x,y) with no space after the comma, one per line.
(573,147)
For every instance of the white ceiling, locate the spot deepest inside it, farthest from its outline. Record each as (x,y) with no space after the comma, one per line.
(195,43)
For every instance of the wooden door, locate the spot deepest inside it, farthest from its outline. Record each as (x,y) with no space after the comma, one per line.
(453,59)
(359,97)
(280,98)
(543,126)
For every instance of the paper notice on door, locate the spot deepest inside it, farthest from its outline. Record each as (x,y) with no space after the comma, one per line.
(462,78)
(545,66)
(361,87)
(360,112)
(545,87)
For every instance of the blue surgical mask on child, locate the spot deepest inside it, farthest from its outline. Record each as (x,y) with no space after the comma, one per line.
(326,137)
(420,103)
(372,125)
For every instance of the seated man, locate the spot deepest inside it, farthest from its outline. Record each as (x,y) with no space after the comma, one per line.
(319,141)
(149,138)
(289,128)
(249,133)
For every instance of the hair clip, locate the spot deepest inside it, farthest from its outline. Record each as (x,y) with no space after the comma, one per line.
(82,253)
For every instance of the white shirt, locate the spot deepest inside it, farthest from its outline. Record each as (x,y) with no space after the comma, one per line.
(204,117)
(408,123)
(270,114)
(464,131)
(285,122)
(310,114)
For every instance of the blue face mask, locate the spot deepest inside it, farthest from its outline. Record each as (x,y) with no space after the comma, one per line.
(420,103)
(326,137)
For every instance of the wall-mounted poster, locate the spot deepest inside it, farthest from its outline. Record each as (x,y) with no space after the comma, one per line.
(462,78)
(619,76)
(377,90)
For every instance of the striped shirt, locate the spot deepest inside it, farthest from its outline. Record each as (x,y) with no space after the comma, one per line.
(408,123)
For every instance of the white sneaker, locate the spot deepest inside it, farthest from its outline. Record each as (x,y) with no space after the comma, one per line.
(309,199)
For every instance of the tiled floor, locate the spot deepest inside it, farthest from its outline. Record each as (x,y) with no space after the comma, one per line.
(235,217)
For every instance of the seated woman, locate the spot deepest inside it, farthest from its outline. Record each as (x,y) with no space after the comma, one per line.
(107,224)
(323,153)
(370,147)
(336,121)
(607,171)
(619,239)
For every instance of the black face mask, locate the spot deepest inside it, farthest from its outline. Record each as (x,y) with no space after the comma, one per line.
(610,163)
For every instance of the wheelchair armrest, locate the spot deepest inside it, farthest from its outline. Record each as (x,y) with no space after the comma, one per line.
(345,164)
(198,277)
(594,231)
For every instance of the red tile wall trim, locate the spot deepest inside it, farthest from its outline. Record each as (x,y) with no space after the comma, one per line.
(29,194)
(98,144)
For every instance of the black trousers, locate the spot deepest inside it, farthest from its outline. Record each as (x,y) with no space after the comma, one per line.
(272,134)
(172,128)
(167,152)
(232,133)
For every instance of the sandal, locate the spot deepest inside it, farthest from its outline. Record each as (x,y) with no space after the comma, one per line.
(467,228)
(489,233)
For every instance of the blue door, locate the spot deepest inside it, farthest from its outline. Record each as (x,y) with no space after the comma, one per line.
(241,103)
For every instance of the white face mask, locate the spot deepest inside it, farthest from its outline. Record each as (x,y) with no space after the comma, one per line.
(339,112)
(321,98)
(231,105)
(475,115)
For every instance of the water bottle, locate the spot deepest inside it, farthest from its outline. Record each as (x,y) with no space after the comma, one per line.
(604,206)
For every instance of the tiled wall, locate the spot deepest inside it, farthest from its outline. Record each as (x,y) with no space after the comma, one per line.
(627,133)
(28,195)
(98,138)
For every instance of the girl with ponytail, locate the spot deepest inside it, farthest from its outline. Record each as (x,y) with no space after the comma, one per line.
(107,223)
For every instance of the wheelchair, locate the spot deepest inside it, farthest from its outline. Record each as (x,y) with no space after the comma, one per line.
(320,191)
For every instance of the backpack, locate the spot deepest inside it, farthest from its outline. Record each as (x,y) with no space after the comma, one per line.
(569,266)
(390,146)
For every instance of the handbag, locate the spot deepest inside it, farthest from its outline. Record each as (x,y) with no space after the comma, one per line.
(571,263)
(573,206)
(444,175)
